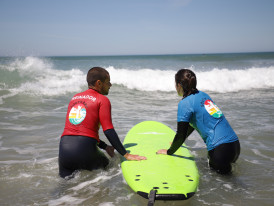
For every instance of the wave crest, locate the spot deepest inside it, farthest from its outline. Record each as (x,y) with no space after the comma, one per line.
(33,75)
(216,80)
(39,77)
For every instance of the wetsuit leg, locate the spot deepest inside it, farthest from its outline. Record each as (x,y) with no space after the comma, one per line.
(223,155)
(79,153)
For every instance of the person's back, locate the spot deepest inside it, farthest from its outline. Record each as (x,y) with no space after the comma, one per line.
(207,119)
(197,111)
(86,111)
(78,148)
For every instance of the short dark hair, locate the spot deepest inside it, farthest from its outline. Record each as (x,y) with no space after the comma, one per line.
(187,79)
(96,73)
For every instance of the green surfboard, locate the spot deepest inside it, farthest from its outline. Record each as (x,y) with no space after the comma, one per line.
(171,177)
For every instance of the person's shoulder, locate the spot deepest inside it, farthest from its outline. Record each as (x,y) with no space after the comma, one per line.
(103,98)
(190,99)
(82,93)
(78,94)
(199,92)
(202,94)
(184,101)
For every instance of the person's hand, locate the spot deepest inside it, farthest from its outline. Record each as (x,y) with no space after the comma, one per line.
(134,157)
(162,151)
(110,151)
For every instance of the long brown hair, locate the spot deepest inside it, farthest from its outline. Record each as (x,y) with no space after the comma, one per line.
(187,79)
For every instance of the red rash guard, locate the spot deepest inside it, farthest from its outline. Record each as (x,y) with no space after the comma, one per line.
(85,112)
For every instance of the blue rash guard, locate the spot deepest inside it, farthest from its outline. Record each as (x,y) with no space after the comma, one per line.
(203,115)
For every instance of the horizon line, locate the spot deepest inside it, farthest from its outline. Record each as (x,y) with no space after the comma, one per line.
(117,55)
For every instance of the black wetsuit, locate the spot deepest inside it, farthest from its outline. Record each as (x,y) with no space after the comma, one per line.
(82,153)
(220,158)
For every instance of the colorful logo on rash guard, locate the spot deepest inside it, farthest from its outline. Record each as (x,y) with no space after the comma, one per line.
(77,114)
(212,109)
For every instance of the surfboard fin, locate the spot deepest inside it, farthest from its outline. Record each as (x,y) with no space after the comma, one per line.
(151,197)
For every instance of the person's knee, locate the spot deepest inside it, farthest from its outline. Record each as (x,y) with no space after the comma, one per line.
(225,170)
(102,162)
(222,168)
(66,173)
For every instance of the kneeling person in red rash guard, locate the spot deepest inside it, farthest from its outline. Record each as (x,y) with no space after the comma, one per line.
(78,149)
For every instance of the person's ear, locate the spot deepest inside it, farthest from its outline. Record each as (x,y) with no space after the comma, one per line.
(98,82)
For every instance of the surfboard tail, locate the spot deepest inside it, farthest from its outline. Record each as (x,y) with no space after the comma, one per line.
(167,196)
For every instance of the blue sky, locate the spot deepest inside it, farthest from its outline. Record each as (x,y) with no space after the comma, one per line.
(125,27)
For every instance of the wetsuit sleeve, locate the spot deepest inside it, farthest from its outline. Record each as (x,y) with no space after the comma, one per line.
(102,145)
(115,141)
(183,131)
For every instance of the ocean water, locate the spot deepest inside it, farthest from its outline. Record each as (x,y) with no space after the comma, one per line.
(35,92)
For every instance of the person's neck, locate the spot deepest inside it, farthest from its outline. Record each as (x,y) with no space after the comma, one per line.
(94,88)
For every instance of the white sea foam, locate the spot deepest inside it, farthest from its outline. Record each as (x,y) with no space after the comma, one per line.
(13,162)
(40,77)
(228,186)
(124,198)
(224,80)
(257,152)
(66,200)
(106,204)
(216,80)
(143,79)
(97,179)
(6,96)
(257,162)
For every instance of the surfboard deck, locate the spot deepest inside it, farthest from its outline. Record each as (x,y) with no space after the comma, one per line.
(173,177)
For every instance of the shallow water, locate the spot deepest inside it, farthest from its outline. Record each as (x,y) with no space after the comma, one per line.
(33,120)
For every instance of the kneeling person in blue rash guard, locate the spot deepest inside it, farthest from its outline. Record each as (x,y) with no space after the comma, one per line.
(197,111)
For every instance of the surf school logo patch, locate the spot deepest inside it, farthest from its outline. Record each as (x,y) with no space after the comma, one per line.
(212,109)
(77,113)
